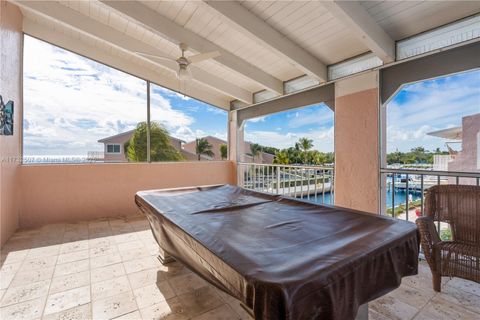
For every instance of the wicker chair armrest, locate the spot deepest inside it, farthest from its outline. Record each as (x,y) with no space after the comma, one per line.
(428,238)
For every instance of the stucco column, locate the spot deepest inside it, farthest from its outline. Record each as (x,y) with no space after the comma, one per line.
(357,159)
(235,141)
(11,50)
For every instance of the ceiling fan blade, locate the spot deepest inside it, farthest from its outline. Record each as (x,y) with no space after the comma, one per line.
(203,56)
(147,55)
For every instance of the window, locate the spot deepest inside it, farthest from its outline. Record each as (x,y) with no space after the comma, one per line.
(431,126)
(79,110)
(74,107)
(113,148)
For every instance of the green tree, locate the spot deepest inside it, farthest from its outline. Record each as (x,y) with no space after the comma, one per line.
(255,150)
(305,145)
(281,157)
(224,151)
(203,147)
(161,148)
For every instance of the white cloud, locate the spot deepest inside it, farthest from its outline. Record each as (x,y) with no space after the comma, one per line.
(429,106)
(258,119)
(71,102)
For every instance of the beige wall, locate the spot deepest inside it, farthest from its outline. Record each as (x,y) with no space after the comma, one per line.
(11,38)
(467,160)
(356,143)
(60,193)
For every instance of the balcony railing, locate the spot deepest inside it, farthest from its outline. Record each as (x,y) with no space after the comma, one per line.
(312,183)
(404,190)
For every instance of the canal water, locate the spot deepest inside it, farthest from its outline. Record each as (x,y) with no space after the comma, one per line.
(400,196)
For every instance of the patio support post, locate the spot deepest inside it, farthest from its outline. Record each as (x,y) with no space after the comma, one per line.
(357,160)
(235,142)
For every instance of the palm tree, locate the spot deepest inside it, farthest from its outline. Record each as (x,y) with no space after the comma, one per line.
(203,147)
(281,157)
(224,151)
(255,150)
(161,148)
(305,144)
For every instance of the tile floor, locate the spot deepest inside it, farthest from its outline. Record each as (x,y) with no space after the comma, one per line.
(108,269)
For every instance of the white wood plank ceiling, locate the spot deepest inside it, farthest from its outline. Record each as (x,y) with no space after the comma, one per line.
(262,43)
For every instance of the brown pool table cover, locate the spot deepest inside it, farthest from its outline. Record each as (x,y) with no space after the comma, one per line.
(283,258)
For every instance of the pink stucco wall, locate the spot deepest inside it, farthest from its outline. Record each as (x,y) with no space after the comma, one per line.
(356,151)
(62,193)
(11,38)
(466,159)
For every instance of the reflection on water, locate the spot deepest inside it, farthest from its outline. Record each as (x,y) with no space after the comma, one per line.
(400,196)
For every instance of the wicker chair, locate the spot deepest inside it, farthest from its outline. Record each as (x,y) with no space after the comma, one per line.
(458,205)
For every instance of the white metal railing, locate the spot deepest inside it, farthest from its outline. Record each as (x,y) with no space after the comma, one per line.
(404,190)
(312,183)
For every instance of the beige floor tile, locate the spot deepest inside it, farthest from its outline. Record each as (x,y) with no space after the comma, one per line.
(103,250)
(110,287)
(393,308)
(185,283)
(107,272)
(374,315)
(27,310)
(114,306)
(105,241)
(460,297)
(73,256)
(82,312)
(200,301)
(135,253)
(7,258)
(103,261)
(130,245)
(70,236)
(170,309)
(135,315)
(442,309)
(465,285)
(46,251)
(26,277)
(65,300)
(99,233)
(6,277)
(74,246)
(153,294)
(234,304)
(125,237)
(415,297)
(70,281)
(38,263)
(223,312)
(145,278)
(141,264)
(423,315)
(71,267)
(10,267)
(25,292)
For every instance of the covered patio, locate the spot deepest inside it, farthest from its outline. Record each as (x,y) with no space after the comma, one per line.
(75,245)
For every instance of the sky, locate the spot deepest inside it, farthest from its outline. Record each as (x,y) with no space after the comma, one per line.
(70,102)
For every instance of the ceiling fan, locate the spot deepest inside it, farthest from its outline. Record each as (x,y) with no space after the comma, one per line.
(184,62)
